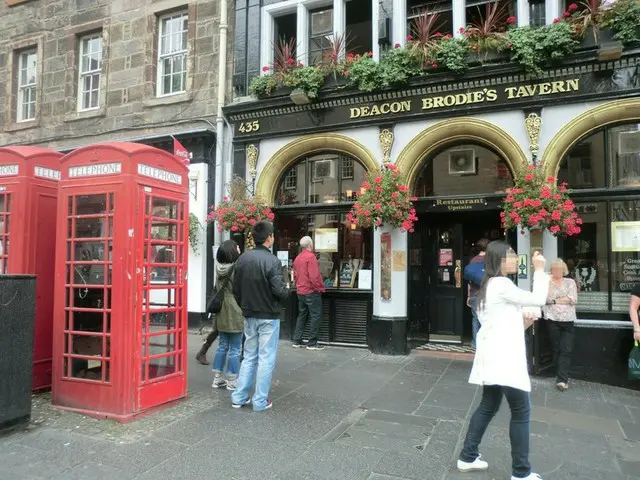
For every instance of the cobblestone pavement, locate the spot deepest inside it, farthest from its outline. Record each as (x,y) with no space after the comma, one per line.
(339,414)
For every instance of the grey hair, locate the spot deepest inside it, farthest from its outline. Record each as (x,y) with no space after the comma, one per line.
(306,242)
(560,263)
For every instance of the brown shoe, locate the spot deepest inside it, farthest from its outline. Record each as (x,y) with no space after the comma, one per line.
(201,356)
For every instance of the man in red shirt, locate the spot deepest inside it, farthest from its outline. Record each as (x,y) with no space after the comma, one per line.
(310,287)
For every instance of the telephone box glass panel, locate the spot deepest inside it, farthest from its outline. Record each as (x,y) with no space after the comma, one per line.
(5,215)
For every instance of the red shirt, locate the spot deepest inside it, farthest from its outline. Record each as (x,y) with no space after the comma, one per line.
(307,274)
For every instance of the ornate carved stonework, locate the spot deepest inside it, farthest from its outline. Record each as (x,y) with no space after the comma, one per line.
(386,142)
(252,157)
(533,123)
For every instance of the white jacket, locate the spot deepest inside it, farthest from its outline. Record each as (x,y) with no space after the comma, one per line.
(501,357)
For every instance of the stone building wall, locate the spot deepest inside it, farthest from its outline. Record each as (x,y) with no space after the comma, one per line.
(129,107)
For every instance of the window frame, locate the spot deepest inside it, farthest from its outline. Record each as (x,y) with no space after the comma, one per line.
(322,36)
(22,88)
(161,57)
(89,73)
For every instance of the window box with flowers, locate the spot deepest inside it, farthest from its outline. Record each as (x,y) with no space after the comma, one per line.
(536,202)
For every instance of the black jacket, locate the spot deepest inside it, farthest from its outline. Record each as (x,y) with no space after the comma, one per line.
(258,284)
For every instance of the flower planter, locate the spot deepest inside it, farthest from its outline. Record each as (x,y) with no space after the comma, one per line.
(488,56)
(596,37)
(337,82)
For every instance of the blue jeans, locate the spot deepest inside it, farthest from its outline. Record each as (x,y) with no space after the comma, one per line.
(230,343)
(518,427)
(309,306)
(260,349)
(475,323)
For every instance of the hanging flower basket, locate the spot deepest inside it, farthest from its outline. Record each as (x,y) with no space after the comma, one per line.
(384,200)
(536,202)
(239,215)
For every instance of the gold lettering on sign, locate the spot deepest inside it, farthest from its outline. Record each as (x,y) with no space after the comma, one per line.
(545,88)
(478,96)
(458,204)
(384,109)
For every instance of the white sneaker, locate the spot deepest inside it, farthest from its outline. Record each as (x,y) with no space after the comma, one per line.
(218,382)
(476,465)
(531,476)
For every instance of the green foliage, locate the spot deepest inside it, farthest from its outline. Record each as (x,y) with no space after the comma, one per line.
(195,228)
(308,79)
(263,85)
(364,73)
(623,18)
(535,47)
(397,65)
(453,53)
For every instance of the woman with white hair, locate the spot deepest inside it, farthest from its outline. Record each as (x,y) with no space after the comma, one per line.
(560,311)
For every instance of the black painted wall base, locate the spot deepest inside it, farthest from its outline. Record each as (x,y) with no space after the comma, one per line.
(197,320)
(388,335)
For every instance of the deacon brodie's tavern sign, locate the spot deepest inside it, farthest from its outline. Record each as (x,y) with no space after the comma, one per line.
(349,108)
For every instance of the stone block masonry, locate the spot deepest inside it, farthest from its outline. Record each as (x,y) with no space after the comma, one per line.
(128,103)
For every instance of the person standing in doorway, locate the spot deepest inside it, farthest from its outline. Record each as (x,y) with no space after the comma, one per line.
(472,289)
(560,311)
(310,287)
(500,363)
(259,288)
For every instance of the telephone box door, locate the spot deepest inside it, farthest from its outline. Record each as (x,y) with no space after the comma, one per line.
(5,225)
(162,289)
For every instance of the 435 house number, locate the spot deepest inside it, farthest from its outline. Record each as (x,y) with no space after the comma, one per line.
(248,127)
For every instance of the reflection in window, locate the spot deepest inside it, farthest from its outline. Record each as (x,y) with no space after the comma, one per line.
(416,8)
(358,27)
(583,167)
(464,169)
(624,154)
(320,34)
(586,257)
(342,250)
(324,178)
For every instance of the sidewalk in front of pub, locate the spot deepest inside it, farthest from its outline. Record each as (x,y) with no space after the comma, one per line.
(338,414)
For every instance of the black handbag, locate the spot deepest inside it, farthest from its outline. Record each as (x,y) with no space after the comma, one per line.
(214,304)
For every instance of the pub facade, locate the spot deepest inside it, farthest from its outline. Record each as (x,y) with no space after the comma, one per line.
(458,140)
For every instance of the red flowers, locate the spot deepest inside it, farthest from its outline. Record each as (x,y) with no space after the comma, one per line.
(556,20)
(388,203)
(572,8)
(266,68)
(538,203)
(397,45)
(409,37)
(237,215)
(512,20)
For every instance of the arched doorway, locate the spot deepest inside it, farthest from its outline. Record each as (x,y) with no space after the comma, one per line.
(459,188)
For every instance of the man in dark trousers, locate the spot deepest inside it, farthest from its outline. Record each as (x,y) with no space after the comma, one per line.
(259,288)
(310,287)
(472,291)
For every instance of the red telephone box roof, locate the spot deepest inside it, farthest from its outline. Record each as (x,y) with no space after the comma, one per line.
(26,161)
(124,158)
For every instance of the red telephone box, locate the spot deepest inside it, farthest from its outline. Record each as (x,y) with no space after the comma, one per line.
(121,281)
(29,179)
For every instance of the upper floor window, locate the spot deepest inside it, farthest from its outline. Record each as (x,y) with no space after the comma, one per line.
(320,34)
(428,17)
(27,79)
(172,54)
(537,16)
(89,70)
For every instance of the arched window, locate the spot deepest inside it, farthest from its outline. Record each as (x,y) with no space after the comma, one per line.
(463,169)
(323,178)
(605,258)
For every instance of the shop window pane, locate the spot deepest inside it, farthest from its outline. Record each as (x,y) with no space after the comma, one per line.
(358,22)
(352,175)
(586,257)
(442,8)
(291,189)
(583,167)
(625,239)
(323,178)
(464,169)
(624,154)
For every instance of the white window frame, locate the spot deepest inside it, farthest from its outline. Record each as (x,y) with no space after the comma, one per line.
(90,72)
(165,55)
(29,88)
(291,179)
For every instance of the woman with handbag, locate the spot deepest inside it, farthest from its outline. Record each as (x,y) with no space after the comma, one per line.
(229,320)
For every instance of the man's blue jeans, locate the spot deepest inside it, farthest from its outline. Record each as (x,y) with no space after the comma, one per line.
(260,351)
(475,323)
(231,343)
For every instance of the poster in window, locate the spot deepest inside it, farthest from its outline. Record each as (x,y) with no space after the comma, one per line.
(399,261)
(445,257)
(385,266)
(625,236)
(348,271)
(326,240)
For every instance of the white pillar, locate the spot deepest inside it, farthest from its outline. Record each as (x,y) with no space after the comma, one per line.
(459,15)
(523,13)
(339,18)
(399,22)
(266,40)
(302,34)
(197,268)
(552,10)
(397,305)
(549,247)
(375,23)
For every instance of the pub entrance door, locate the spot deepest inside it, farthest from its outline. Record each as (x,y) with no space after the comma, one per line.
(441,247)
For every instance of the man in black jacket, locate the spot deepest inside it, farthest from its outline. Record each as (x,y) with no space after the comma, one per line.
(259,288)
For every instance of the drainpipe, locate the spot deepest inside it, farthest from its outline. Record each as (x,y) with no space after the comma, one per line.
(222,90)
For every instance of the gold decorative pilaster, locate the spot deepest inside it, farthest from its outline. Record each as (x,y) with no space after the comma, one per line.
(252,158)
(533,123)
(386,142)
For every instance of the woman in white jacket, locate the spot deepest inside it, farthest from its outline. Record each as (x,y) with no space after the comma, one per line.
(500,364)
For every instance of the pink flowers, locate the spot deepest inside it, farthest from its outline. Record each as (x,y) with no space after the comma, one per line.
(266,68)
(511,20)
(409,37)
(572,8)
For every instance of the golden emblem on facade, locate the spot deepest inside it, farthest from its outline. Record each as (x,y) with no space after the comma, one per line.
(533,123)
(252,157)
(386,142)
